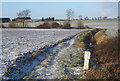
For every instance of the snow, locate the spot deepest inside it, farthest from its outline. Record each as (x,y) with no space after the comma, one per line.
(16,42)
(50,68)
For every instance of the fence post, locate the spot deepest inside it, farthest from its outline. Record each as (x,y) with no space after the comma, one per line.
(86,60)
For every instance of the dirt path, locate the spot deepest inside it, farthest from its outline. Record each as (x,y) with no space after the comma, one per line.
(50,68)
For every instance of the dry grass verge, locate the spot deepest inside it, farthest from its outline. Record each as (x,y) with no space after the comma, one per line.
(106,57)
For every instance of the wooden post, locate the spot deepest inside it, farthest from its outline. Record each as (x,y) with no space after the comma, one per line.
(86,60)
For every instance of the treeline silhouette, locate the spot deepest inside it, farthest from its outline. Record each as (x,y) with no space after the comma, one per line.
(43,19)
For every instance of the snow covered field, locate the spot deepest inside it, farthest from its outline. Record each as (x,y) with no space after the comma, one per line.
(19,41)
(110,25)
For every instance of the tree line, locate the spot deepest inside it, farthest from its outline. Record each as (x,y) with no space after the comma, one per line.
(24,14)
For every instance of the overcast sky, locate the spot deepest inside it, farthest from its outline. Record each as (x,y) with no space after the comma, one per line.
(58,9)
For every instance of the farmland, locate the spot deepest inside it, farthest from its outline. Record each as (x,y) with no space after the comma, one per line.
(110,24)
(19,41)
(59,40)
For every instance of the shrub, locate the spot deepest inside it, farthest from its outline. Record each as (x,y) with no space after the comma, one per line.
(66,25)
(107,49)
(56,25)
(45,25)
(80,24)
(50,24)
(96,74)
(106,56)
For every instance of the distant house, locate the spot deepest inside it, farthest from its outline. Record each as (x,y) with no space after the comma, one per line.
(4,20)
(21,18)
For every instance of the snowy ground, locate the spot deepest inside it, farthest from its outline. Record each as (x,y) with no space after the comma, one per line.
(50,68)
(110,25)
(19,41)
(53,66)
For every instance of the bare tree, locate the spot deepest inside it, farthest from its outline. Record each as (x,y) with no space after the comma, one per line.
(70,14)
(24,13)
(19,14)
